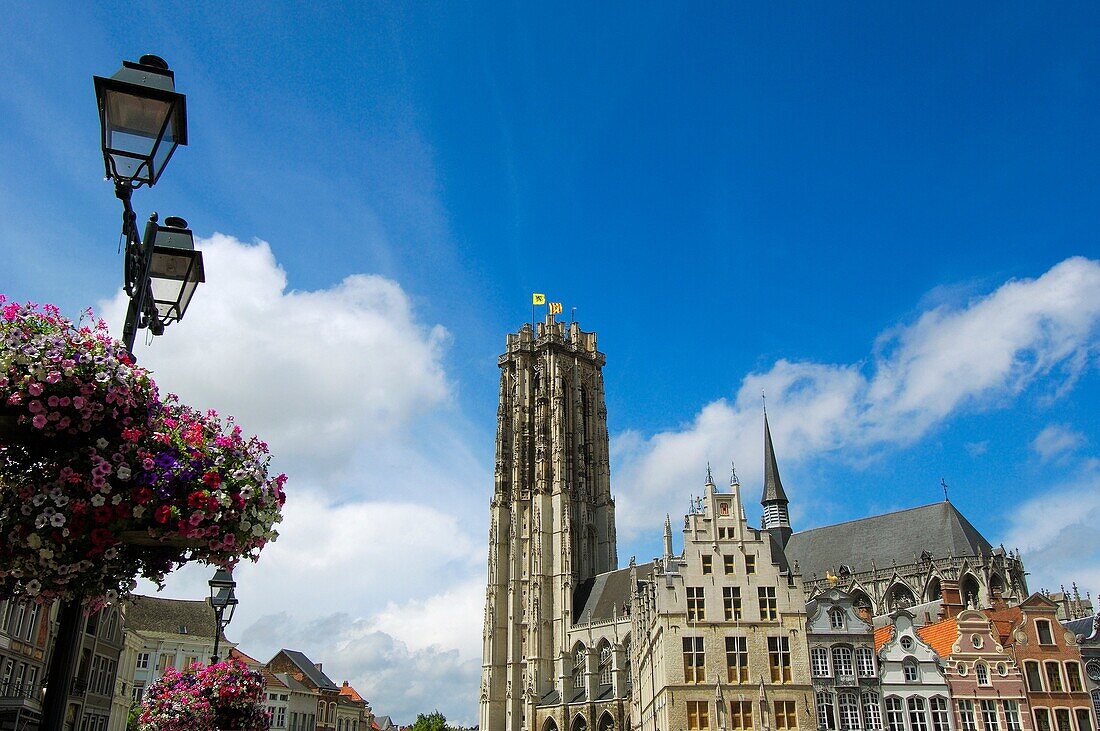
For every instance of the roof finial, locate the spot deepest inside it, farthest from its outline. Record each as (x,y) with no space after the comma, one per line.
(943,484)
(710,480)
(764,400)
(734,482)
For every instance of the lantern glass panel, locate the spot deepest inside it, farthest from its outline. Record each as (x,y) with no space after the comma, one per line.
(132,129)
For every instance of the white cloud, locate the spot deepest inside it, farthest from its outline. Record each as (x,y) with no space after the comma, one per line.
(1056,440)
(381,553)
(975,356)
(1058,533)
(317,372)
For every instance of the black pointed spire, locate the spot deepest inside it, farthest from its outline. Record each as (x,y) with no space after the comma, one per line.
(773,486)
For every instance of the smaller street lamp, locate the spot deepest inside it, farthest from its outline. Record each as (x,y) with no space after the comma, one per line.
(224,601)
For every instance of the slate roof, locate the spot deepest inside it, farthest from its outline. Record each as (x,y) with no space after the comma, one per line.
(773,486)
(598,598)
(1083,626)
(310,670)
(171,616)
(898,537)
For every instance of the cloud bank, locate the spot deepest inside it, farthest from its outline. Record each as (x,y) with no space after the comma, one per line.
(980,355)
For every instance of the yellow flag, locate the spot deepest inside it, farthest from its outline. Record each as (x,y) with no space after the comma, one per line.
(555,308)
(538,298)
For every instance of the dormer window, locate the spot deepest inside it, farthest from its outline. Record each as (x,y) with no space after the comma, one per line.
(836,619)
(909,668)
(1042,627)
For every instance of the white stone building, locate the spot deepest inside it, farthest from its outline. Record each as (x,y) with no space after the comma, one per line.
(914,691)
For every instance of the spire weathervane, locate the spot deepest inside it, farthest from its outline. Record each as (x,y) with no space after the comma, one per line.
(943,484)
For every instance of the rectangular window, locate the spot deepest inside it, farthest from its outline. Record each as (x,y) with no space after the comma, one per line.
(750,564)
(280,717)
(1042,719)
(779,659)
(865,662)
(737,660)
(1012,715)
(1034,677)
(849,711)
(767,603)
(989,715)
(1042,627)
(966,715)
(819,662)
(708,565)
(872,716)
(1054,677)
(139,690)
(1061,716)
(918,719)
(143,660)
(785,717)
(694,665)
(826,719)
(1084,719)
(1073,675)
(727,564)
(698,714)
(696,608)
(842,662)
(165,661)
(940,720)
(895,716)
(741,715)
(731,602)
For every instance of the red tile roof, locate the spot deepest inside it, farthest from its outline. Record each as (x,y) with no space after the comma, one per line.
(348,692)
(940,636)
(249,661)
(883,635)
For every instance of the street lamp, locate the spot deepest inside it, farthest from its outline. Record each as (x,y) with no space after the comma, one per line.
(224,601)
(143,119)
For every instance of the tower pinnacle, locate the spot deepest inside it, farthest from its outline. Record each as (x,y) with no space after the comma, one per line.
(668,536)
(776,518)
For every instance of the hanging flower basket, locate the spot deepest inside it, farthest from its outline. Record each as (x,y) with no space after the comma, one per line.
(101,482)
(222,697)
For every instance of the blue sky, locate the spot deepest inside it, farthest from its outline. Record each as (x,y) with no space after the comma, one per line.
(871,211)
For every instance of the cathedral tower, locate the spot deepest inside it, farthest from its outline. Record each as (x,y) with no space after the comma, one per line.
(552,517)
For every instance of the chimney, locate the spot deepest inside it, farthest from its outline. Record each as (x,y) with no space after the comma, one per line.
(952,599)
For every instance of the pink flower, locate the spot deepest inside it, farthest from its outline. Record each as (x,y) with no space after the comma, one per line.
(39,421)
(35,389)
(53,377)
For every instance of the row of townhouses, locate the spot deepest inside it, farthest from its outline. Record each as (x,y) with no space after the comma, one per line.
(126,647)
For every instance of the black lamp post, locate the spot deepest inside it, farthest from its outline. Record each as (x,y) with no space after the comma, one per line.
(143,119)
(224,602)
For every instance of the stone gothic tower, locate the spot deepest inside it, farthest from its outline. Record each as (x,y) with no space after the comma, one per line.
(552,518)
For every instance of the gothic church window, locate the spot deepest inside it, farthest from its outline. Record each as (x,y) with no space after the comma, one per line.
(900,598)
(578,667)
(605,665)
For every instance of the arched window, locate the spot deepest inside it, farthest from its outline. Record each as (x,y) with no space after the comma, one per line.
(909,669)
(969,589)
(865,662)
(940,722)
(578,667)
(549,725)
(826,718)
(933,591)
(819,662)
(918,719)
(605,664)
(872,714)
(836,618)
(607,723)
(579,723)
(848,704)
(842,662)
(981,672)
(996,585)
(895,715)
(626,662)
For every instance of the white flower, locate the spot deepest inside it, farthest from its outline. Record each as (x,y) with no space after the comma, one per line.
(57,520)
(34,541)
(123,472)
(139,510)
(33,587)
(46,554)
(98,500)
(116,499)
(102,443)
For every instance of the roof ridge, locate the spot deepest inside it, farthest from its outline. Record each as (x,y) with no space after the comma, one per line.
(869,517)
